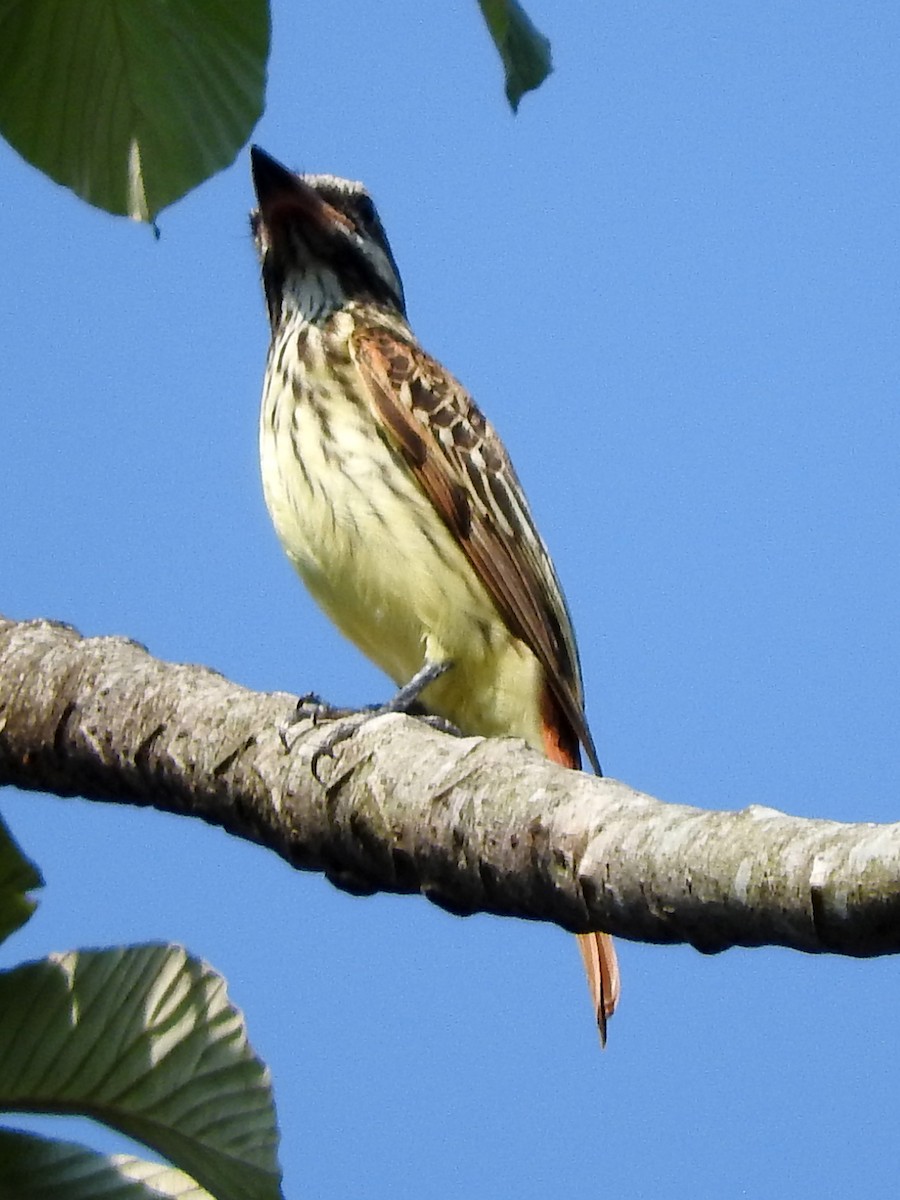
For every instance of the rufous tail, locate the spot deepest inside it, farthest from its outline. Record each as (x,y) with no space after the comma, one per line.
(602,968)
(597,949)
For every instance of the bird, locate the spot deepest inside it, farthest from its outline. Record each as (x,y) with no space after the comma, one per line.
(395,499)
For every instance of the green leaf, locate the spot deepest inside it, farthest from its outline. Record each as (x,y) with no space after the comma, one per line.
(523,49)
(144,1039)
(34,1168)
(18,876)
(130,103)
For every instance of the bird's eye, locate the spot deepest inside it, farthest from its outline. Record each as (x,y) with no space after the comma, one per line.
(366,210)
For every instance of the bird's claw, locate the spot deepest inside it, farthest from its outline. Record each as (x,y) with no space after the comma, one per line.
(343,729)
(310,707)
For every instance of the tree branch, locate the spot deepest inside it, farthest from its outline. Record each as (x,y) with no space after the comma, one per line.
(475,825)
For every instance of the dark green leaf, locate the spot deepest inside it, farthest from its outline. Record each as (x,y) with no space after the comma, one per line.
(524,50)
(130,103)
(144,1039)
(35,1168)
(18,876)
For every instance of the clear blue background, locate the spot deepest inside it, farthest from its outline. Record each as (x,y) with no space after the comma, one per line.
(672,282)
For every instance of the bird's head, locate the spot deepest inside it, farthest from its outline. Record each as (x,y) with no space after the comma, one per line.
(320,242)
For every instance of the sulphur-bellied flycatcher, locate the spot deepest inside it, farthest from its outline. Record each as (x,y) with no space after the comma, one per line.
(395,499)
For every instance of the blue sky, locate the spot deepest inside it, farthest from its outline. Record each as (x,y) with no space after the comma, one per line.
(672,283)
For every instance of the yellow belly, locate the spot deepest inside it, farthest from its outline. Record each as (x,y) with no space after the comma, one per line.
(381,563)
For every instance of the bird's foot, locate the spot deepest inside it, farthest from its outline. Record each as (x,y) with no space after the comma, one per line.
(348,721)
(310,707)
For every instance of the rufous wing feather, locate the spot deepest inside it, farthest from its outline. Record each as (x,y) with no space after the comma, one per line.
(463,469)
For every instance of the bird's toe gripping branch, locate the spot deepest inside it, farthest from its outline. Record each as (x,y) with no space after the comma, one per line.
(347,721)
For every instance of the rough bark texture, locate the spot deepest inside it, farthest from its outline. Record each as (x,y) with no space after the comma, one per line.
(474,825)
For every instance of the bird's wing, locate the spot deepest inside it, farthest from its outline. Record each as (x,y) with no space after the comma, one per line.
(464,470)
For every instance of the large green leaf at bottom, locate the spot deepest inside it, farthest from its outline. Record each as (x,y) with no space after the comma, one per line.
(144,1039)
(130,103)
(35,1168)
(18,876)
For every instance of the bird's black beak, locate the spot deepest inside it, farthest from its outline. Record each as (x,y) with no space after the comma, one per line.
(270,178)
(285,197)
